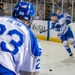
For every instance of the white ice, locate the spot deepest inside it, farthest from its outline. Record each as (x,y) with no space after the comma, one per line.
(55,57)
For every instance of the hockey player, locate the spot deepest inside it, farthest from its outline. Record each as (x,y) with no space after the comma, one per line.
(60,24)
(15,40)
(31,60)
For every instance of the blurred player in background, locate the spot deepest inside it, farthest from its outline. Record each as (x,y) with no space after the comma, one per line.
(60,24)
(17,42)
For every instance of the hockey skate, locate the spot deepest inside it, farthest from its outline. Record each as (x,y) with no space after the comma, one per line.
(71,55)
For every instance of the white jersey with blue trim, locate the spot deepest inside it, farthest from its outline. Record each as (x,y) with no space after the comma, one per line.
(13,43)
(62,23)
(31,62)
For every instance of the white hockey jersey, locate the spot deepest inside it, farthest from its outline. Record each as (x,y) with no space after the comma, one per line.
(13,43)
(31,62)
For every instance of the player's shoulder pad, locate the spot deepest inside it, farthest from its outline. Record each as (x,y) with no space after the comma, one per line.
(67,15)
(60,16)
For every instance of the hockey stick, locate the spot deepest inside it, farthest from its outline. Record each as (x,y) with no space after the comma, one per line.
(41,31)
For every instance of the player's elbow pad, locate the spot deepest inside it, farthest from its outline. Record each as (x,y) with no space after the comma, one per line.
(57,26)
(68,22)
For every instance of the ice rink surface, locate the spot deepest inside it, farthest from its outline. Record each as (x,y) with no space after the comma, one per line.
(55,58)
